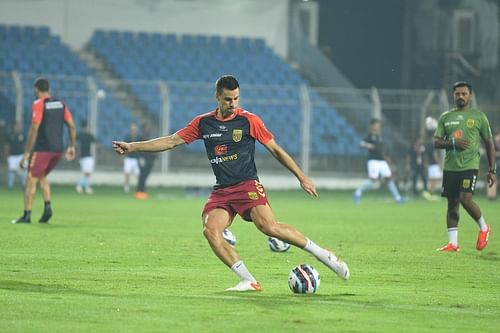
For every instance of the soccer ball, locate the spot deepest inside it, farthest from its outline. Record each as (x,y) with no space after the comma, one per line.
(430,124)
(277,245)
(303,279)
(229,237)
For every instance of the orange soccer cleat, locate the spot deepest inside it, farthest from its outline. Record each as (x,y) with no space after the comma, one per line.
(449,248)
(482,238)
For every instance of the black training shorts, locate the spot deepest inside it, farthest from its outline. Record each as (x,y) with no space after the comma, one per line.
(455,182)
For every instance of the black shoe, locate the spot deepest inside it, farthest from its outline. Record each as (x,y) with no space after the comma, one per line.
(47,214)
(22,219)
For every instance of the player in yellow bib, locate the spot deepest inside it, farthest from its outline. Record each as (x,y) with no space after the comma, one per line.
(460,131)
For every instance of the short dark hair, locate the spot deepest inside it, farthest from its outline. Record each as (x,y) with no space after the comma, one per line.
(228,82)
(374,121)
(462,84)
(42,84)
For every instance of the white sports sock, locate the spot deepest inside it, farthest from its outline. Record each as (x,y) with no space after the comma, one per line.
(482,224)
(241,270)
(453,236)
(320,253)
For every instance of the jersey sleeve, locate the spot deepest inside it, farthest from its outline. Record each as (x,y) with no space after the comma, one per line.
(485,128)
(37,112)
(191,132)
(439,132)
(258,129)
(67,114)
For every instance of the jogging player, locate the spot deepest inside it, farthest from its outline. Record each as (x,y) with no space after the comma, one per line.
(229,133)
(44,146)
(459,131)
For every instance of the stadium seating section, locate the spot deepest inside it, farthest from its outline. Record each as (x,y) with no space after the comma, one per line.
(188,64)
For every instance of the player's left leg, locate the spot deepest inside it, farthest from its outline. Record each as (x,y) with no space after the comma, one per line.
(29,193)
(475,212)
(263,218)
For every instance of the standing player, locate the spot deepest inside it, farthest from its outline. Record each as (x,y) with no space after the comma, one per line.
(87,163)
(229,134)
(44,146)
(131,161)
(377,164)
(14,150)
(459,132)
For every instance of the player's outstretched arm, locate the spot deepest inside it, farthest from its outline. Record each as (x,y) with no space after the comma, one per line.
(284,158)
(154,145)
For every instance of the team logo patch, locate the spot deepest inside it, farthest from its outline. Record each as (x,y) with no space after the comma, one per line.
(253,195)
(220,150)
(470,123)
(237,135)
(466,183)
(458,134)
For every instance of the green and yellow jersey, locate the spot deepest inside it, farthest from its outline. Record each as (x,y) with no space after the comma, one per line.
(471,125)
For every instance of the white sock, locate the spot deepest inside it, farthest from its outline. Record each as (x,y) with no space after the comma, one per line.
(241,270)
(482,224)
(320,253)
(453,236)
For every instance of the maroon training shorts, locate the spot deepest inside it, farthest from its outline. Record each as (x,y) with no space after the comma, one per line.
(42,163)
(237,199)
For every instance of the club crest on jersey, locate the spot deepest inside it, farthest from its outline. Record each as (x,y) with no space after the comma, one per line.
(466,183)
(253,195)
(470,123)
(237,135)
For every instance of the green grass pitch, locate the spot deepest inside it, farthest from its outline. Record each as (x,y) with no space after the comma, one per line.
(110,263)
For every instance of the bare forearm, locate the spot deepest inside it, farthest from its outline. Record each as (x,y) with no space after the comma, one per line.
(72,136)
(30,142)
(154,145)
(490,152)
(442,144)
(288,162)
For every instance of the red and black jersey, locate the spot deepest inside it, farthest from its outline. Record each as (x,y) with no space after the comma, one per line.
(230,143)
(51,114)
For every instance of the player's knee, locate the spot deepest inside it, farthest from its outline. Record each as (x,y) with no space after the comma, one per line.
(210,232)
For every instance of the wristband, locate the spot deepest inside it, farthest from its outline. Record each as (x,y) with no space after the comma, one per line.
(493,171)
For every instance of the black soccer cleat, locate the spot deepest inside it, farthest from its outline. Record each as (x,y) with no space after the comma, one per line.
(47,214)
(22,219)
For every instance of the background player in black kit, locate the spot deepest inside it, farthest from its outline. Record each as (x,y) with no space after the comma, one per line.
(85,140)
(378,168)
(14,149)
(229,134)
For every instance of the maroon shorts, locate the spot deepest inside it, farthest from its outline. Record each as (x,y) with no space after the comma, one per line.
(42,163)
(237,199)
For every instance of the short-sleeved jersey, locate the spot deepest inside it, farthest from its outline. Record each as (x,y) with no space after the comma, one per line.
(51,114)
(471,125)
(229,143)
(16,143)
(85,140)
(376,153)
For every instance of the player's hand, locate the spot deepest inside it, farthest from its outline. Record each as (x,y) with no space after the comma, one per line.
(461,144)
(70,153)
(23,163)
(308,186)
(121,147)
(491,178)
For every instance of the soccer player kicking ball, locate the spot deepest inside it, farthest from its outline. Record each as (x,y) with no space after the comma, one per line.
(229,134)
(459,132)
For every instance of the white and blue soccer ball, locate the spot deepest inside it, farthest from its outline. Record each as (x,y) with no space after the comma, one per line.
(277,245)
(304,279)
(229,237)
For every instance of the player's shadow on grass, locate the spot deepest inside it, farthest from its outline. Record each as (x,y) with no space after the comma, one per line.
(44,288)
(490,256)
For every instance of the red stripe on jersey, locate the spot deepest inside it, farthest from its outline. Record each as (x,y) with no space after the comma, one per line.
(258,129)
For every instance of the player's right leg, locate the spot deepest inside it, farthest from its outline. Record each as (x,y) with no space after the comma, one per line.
(264,220)
(47,210)
(452,218)
(214,223)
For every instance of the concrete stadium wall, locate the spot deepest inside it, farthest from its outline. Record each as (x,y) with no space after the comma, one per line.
(75,20)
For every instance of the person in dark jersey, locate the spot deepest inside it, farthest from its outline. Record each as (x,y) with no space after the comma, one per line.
(14,150)
(378,168)
(229,133)
(44,147)
(460,132)
(146,162)
(85,140)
